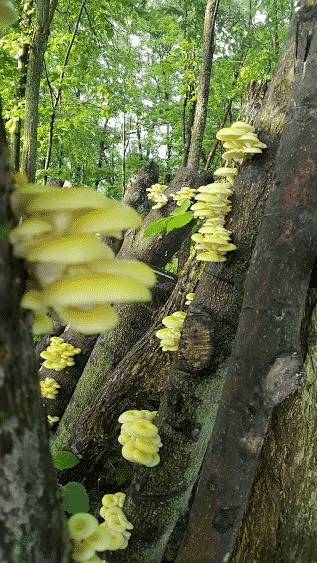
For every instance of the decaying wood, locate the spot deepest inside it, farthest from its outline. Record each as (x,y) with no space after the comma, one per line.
(281,513)
(265,365)
(32,521)
(157,497)
(135,318)
(144,371)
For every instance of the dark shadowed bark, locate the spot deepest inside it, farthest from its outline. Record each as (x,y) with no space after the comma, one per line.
(157,497)
(32,522)
(265,366)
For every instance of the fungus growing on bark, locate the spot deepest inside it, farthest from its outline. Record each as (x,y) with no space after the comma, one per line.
(139,437)
(155,193)
(184,194)
(58,355)
(71,270)
(49,388)
(170,335)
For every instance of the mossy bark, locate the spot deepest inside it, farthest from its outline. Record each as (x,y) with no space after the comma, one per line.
(32,521)
(266,364)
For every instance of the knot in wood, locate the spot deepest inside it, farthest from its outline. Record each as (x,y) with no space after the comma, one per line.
(195,347)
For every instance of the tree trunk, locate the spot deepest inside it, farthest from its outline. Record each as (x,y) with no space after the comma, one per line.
(44,11)
(266,364)
(203,85)
(32,521)
(135,318)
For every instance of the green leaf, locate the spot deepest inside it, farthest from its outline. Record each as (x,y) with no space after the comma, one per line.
(75,498)
(179,221)
(64,460)
(156,227)
(179,210)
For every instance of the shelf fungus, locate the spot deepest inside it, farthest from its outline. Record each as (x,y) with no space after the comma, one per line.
(73,274)
(58,355)
(212,239)
(115,521)
(87,536)
(139,437)
(170,335)
(184,194)
(155,193)
(49,388)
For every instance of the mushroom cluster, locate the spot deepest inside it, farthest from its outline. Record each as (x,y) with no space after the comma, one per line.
(240,141)
(155,193)
(170,335)
(72,272)
(139,437)
(212,239)
(52,419)
(49,388)
(58,355)
(184,194)
(189,298)
(87,537)
(115,521)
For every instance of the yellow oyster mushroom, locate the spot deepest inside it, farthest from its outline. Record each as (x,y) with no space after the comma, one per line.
(149,415)
(116,540)
(116,499)
(25,194)
(94,288)
(52,419)
(49,388)
(145,445)
(83,551)
(99,539)
(143,427)
(210,257)
(242,125)
(104,221)
(130,416)
(93,320)
(70,199)
(82,525)
(31,300)
(131,268)
(173,321)
(228,133)
(30,228)
(68,249)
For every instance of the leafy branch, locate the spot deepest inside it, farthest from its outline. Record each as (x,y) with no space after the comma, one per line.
(177,219)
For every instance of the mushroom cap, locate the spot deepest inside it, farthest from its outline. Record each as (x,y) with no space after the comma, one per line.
(26,193)
(69,249)
(105,221)
(227,133)
(172,321)
(31,300)
(209,256)
(96,319)
(216,188)
(29,228)
(72,198)
(83,551)
(132,268)
(233,153)
(225,171)
(242,125)
(145,445)
(130,416)
(82,525)
(99,539)
(116,540)
(141,427)
(93,288)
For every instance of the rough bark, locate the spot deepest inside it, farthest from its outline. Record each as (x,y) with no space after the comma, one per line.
(32,522)
(265,365)
(135,318)
(157,497)
(44,11)
(281,512)
(203,85)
